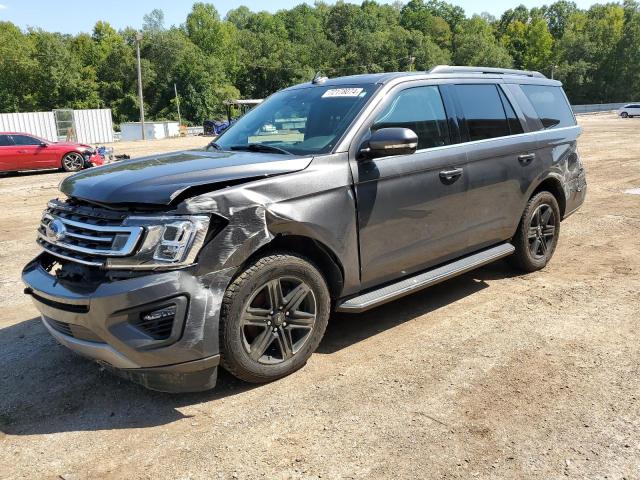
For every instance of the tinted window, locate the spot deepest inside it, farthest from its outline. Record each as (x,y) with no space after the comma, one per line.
(301,121)
(515,126)
(551,105)
(5,141)
(421,110)
(483,111)
(25,140)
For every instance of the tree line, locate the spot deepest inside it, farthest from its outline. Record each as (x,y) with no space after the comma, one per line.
(595,52)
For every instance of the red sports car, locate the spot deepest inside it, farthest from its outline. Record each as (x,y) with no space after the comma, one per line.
(22,151)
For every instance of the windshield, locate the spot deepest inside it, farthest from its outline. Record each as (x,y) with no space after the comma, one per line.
(302,121)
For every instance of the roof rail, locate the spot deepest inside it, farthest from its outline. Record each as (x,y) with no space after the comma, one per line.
(485,70)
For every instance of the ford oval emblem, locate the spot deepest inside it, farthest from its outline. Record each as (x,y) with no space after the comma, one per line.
(56,230)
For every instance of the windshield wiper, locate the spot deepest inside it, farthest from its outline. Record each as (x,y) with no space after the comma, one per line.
(260,147)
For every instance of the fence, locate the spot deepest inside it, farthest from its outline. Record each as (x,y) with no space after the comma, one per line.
(41,124)
(597,107)
(88,126)
(93,126)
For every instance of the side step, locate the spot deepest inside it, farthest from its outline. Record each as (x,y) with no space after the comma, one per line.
(423,280)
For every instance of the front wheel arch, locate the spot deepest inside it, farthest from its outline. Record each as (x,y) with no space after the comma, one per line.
(317,253)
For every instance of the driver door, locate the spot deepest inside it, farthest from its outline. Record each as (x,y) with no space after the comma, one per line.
(31,154)
(411,207)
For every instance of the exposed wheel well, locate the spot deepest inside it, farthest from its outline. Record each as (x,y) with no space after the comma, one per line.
(554,187)
(312,250)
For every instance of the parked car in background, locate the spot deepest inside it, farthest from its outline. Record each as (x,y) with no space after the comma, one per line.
(22,151)
(629,111)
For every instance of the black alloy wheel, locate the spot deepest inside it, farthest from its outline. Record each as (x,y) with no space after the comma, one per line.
(273,317)
(542,231)
(278,319)
(537,236)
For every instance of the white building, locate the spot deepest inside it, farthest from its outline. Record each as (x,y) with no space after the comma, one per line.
(153,130)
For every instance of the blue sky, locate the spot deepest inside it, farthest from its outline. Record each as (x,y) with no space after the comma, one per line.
(72,16)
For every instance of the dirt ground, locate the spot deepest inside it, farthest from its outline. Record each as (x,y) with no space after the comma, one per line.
(491,375)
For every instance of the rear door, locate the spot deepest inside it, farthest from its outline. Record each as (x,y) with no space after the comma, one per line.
(634,110)
(409,207)
(502,161)
(32,154)
(7,154)
(557,135)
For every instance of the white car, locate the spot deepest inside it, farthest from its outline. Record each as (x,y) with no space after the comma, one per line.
(630,110)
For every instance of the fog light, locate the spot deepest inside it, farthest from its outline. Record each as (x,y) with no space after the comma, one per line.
(161,314)
(158,324)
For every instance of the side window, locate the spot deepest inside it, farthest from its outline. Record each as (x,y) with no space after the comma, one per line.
(421,110)
(5,141)
(515,127)
(25,140)
(483,111)
(551,105)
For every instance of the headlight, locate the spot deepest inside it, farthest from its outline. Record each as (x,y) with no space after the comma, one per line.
(168,242)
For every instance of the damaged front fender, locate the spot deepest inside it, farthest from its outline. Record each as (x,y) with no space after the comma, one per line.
(317,204)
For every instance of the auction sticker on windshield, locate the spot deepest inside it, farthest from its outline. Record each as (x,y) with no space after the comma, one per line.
(342,92)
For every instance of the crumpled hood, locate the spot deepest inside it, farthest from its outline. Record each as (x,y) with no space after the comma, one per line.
(159,179)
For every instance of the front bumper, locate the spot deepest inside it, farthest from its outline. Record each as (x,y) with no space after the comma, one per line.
(102,322)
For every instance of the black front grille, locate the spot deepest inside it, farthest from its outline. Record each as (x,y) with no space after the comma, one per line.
(74,331)
(60,327)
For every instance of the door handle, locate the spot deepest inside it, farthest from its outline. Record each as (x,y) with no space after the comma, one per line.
(527,158)
(450,176)
(22,151)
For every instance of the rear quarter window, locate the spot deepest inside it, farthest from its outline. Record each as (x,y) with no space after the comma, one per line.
(550,103)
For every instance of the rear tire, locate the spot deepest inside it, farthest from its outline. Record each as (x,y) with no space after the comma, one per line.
(624,115)
(273,316)
(72,162)
(538,232)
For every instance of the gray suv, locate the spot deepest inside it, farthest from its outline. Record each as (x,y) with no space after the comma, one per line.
(338,194)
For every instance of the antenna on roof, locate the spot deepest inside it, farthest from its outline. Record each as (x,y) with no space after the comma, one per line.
(319,78)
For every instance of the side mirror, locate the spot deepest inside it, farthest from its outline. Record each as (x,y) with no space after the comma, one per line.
(43,144)
(390,141)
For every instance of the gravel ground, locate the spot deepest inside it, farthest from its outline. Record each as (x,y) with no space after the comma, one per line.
(490,375)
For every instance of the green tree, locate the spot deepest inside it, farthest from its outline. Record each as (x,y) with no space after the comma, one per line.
(17,70)
(477,45)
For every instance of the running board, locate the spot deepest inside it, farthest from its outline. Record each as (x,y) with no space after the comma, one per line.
(423,280)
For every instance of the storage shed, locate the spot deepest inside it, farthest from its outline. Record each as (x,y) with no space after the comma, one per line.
(153,130)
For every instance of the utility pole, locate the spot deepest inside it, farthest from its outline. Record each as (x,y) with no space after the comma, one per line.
(138,40)
(175,87)
(553,71)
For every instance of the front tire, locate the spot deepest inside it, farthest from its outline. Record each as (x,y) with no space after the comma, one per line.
(624,115)
(72,162)
(273,317)
(538,232)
